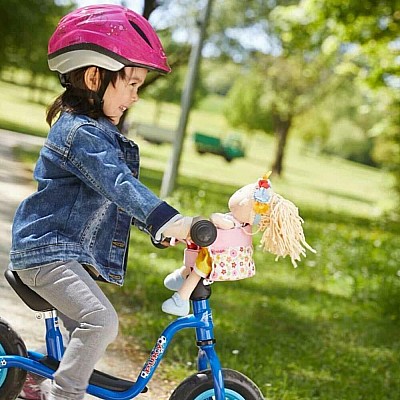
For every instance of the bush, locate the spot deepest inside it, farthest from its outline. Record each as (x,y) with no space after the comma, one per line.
(347,140)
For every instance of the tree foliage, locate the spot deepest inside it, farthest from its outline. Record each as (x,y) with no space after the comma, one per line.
(25,28)
(274,92)
(353,41)
(364,34)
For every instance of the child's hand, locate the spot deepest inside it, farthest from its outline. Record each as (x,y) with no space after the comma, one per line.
(179,228)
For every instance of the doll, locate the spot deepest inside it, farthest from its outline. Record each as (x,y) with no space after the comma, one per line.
(230,257)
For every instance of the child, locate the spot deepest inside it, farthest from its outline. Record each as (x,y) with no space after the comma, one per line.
(76,226)
(230,257)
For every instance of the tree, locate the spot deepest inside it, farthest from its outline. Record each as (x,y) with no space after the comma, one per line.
(169,90)
(365,37)
(345,38)
(272,94)
(343,122)
(387,149)
(25,27)
(364,34)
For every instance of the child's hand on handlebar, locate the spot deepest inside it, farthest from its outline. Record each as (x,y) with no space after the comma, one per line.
(178,228)
(198,230)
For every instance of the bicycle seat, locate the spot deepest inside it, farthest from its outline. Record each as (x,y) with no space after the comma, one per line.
(27,295)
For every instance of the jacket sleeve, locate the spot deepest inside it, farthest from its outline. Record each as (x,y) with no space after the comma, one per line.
(94,158)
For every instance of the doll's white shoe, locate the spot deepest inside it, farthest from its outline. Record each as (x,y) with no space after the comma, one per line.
(176,306)
(174,280)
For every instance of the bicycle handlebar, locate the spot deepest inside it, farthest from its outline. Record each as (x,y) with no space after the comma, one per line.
(203,232)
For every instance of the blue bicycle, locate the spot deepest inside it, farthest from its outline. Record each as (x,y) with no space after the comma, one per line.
(211,382)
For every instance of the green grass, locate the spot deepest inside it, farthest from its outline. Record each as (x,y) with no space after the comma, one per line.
(20,110)
(326,330)
(326,184)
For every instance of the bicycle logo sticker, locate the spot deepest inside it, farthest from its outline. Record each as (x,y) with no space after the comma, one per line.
(155,354)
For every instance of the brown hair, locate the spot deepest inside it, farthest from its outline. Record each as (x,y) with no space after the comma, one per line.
(78,98)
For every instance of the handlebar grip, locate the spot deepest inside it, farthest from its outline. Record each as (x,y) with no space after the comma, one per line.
(203,232)
(159,245)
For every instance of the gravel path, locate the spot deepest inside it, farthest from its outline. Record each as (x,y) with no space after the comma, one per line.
(15,185)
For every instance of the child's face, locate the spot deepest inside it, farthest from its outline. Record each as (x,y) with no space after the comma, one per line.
(120,97)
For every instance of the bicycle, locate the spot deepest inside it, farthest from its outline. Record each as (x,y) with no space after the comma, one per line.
(210,382)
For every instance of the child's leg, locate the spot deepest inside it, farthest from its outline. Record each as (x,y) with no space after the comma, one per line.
(72,291)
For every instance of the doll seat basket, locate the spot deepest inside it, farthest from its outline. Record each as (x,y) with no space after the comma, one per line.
(232,255)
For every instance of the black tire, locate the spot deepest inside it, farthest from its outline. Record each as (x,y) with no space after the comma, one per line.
(11,380)
(199,385)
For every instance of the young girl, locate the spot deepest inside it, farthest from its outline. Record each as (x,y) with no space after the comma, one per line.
(76,226)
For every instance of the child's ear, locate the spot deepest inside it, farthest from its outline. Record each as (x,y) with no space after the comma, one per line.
(92,78)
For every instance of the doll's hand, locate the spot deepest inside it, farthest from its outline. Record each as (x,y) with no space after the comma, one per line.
(224,221)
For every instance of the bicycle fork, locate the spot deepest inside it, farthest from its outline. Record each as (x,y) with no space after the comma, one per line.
(206,342)
(201,320)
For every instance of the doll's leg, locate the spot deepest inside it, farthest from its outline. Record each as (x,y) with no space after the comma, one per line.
(179,304)
(174,280)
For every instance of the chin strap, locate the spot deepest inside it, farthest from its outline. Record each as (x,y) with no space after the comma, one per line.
(98,96)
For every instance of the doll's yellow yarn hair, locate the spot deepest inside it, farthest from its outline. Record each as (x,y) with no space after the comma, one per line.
(281,227)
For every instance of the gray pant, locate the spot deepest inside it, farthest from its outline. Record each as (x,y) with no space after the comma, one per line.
(72,291)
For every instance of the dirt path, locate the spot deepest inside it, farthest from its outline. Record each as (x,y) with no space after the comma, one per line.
(15,185)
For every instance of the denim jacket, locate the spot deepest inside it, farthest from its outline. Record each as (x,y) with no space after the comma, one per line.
(88,195)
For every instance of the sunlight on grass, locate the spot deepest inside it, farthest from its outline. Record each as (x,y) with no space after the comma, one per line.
(324,183)
(325,330)
(18,108)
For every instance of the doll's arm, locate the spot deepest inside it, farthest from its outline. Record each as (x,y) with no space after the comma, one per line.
(224,221)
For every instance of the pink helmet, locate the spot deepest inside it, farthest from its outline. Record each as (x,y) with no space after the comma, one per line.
(106,36)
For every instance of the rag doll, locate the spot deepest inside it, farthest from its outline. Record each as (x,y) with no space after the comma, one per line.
(254,206)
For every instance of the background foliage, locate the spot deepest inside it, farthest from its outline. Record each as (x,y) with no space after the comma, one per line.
(310,84)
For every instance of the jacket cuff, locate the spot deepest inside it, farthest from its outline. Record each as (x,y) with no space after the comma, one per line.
(159,217)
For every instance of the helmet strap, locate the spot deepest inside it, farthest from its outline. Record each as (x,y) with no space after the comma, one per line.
(105,81)
(64,80)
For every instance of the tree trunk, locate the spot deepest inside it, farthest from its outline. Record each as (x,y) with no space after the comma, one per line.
(281,129)
(149,7)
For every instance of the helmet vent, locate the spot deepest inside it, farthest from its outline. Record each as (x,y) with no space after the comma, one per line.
(140,32)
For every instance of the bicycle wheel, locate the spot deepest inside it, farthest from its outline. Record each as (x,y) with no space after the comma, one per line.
(200,386)
(12,379)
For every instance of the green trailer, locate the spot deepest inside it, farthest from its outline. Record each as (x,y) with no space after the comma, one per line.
(229,147)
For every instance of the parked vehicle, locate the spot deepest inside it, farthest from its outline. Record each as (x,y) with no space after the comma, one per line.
(229,147)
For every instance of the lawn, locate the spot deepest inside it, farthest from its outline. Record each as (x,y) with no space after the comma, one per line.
(326,330)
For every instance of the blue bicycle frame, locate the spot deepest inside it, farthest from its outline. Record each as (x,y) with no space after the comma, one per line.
(201,320)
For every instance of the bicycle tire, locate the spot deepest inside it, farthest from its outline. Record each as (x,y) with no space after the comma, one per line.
(12,379)
(200,386)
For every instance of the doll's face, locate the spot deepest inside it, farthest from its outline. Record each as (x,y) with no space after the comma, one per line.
(241,204)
